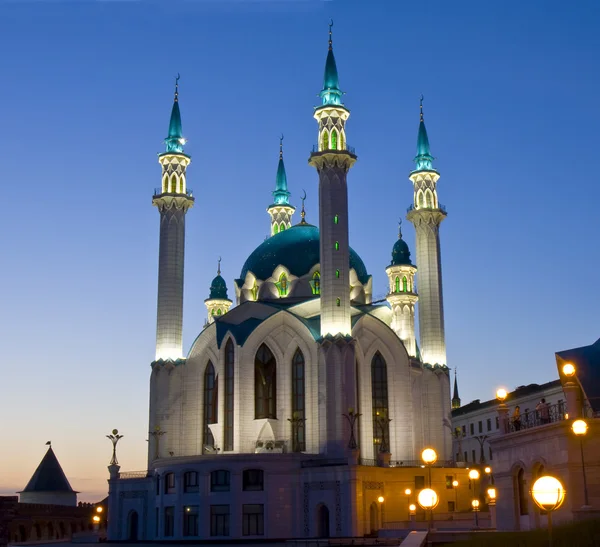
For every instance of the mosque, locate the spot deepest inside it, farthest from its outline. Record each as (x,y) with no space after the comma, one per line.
(299,406)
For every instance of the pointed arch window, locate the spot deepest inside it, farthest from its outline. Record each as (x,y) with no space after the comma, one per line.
(282,227)
(325,141)
(342,140)
(219,311)
(173,188)
(334,139)
(338,302)
(265,384)
(316,283)
(337,245)
(254,291)
(298,402)
(229,378)
(397,284)
(428,200)
(283,285)
(337,274)
(404,284)
(336,218)
(379,396)
(275,228)
(420,199)
(211,394)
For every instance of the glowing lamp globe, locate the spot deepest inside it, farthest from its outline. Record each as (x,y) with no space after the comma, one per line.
(429,456)
(488,470)
(491,492)
(380,499)
(455,483)
(428,499)
(412,508)
(473,474)
(408,491)
(501,394)
(568,370)
(99,509)
(579,427)
(96,519)
(548,493)
(475,504)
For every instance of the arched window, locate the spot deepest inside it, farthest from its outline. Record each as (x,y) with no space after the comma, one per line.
(254,291)
(397,284)
(173,188)
(404,284)
(229,356)
(282,285)
(522,493)
(428,199)
(211,391)
(336,218)
(165,183)
(316,283)
(337,245)
(379,395)
(420,199)
(342,141)
(282,227)
(334,140)
(275,228)
(265,384)
(338,302)
(325,142)
(337,274)
(298,402)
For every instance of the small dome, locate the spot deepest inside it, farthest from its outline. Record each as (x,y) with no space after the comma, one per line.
(296,248)
(218,288)
(401,254)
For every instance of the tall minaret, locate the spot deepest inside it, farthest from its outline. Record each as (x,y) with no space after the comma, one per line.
(427,214)
(280,210)
(332,159)
(173,200)
(403,295)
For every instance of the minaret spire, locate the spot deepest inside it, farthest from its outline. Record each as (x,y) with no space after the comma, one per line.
(455,397)
(427,214)
(280,210)
(331,93)
(217,303)
(172,199)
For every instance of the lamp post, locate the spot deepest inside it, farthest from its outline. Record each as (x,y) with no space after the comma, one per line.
(429,457)
(501,395)
(475,506)
(549,494)
(428,500)
(380,500)
(580,427)
(572,391)
(407,493)
(455,486)
(412,513)
(491,492)
(96,521)
(474,476)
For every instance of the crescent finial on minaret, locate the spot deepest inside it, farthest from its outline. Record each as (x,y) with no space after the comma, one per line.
(400,229)
(177,87)
(281,146)
(219,266)
(330,40)
(303,212)
(421,106)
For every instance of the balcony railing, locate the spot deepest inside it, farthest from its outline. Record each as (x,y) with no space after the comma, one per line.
(350,149)
(133,475)
(407,463)
(544,414)
(159,191)
(440,206)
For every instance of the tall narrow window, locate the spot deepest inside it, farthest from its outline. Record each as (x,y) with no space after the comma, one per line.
(338,302)
(336,219)
(265,384)
(522,493)
(337,274)
(210,404)
(404,284)
(334,140)
(282,227)
(342,141)
(325,143)
(282,285)
(173,184)
(337,246)
(429,200)
(298,402)
(254,291)
(397,284)
(379,391)
(316,283)
(420,199)
(275,228)
(229,355)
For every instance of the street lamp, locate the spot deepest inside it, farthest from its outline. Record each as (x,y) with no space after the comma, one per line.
(491,492)
(568,370)
(428,500)
(429,457)
(580,427)
(501,394)
(96,520)
(475,505)
(549,494)
(455,486)
(380,500)
(407,493)
(474,476)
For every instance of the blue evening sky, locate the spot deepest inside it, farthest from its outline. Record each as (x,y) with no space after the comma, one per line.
(511,104)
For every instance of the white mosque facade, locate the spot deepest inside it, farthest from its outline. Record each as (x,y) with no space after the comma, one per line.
(299,404)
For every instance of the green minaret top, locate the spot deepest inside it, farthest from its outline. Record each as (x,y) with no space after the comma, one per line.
(400,251)
(423,159)
(175,140)
(281,196)
(331,93)
(218,287)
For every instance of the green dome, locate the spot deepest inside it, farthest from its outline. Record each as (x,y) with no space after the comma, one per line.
(218,288)
(296,248)
(401,254)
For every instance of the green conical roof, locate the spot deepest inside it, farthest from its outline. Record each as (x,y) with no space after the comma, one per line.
(331,93)
(400,251)
(218,288)
(281,196)
(175,140)
(423,159)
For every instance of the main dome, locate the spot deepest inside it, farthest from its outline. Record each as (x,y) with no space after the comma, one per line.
(296,248)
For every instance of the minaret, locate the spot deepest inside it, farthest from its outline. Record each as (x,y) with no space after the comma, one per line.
(332,159)
(173,200)
(217,303)
(280,210)
(455,397)
(403,296)
(427,214)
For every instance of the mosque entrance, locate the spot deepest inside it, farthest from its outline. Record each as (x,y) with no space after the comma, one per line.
(133,526)
(322,521)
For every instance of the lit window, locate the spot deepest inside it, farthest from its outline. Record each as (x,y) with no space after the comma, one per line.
(190,520)
(275,229)
(282,285)
(325,143)
(337,246)
(379,397)
(397,285)
(337,274)
(335,219)
(334,140)
(338,302)
(404,284)
(316,283)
